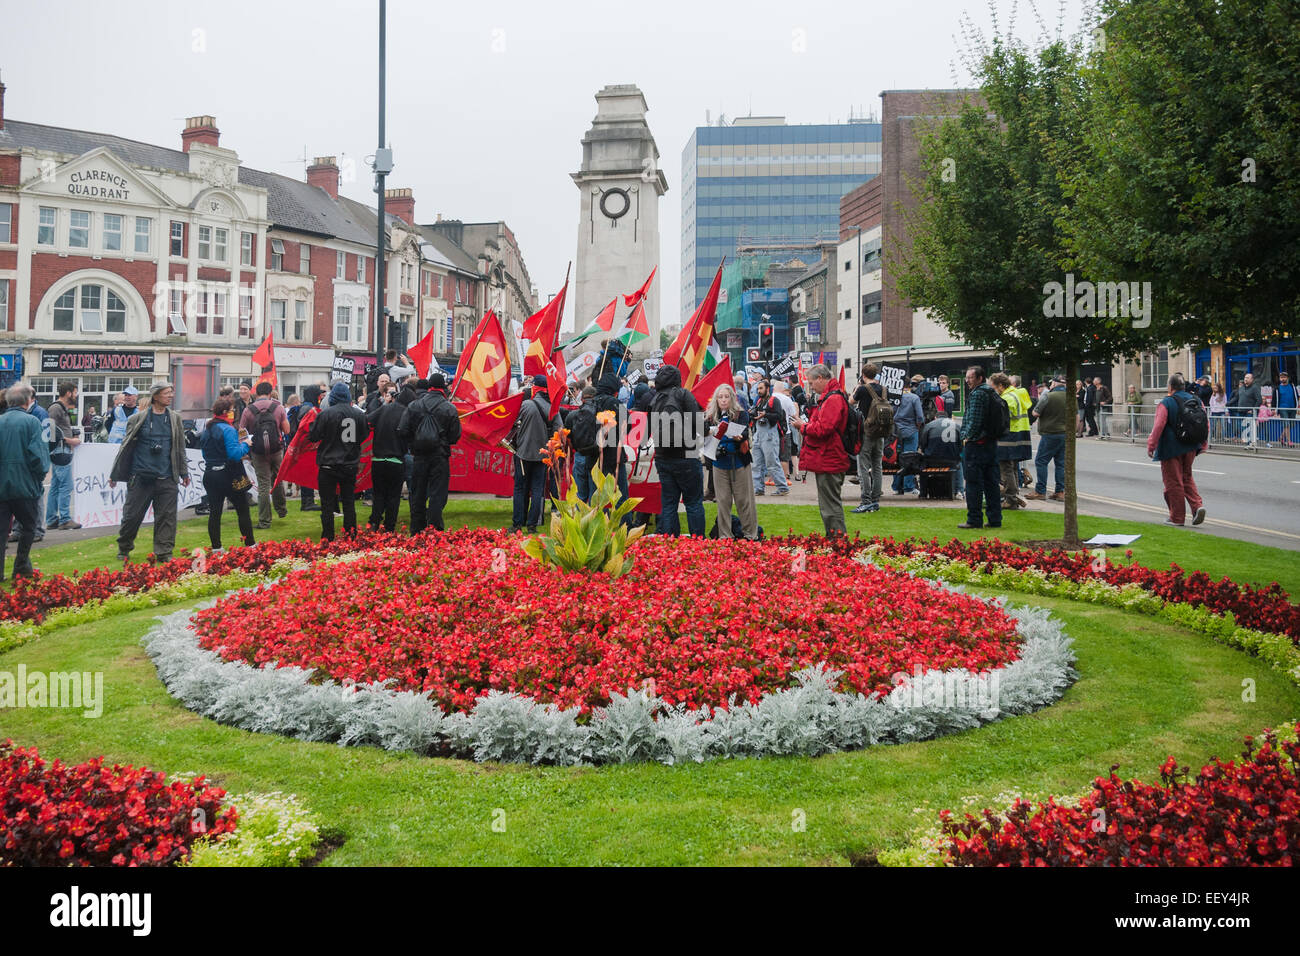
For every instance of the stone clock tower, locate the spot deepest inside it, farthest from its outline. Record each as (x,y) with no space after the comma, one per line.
(619,186)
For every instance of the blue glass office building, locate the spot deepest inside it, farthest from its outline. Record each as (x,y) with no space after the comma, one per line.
(766,181)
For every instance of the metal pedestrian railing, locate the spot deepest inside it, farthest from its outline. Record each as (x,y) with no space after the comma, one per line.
(1241,431)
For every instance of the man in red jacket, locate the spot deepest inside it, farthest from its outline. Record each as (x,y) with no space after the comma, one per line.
(823,447)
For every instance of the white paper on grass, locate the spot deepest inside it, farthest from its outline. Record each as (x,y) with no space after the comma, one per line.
(1112,539)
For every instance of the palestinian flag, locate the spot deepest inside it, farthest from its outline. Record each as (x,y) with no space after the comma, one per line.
(602,325)
(636,328)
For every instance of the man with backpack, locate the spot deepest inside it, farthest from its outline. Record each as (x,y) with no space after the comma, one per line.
(770,423)
(267,425)
(987,417)
(1181,432)
(529,437)
(387,460)
(878,423)
(584,439)
(675,422)
(824,445)
(429,427)
(340,429)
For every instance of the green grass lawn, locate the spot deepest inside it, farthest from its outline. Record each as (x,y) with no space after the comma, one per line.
(1158,546)
(1147,690)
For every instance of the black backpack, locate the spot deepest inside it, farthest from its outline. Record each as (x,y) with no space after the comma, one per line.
(1191,427)
(427,439)
(854,430)
(998,420)
(266,431)
(584,433)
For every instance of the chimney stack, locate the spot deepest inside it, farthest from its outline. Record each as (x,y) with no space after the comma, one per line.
(401,204)
(200,129)
(324,173)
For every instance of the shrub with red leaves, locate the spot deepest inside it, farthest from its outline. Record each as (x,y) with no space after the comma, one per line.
(702,620)
(1243,813)
(52,814)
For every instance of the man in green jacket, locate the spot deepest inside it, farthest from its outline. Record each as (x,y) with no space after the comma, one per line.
(24,460)
(151,461)
(1053,413)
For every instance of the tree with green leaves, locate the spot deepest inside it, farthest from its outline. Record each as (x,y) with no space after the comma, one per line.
(1191,176)
(989,255)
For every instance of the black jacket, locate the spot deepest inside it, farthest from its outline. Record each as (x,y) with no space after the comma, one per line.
(434,403)
(384,421)
(675,417)
(330,429)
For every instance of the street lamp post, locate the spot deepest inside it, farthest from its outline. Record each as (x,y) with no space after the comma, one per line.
(383,166)
(857,309)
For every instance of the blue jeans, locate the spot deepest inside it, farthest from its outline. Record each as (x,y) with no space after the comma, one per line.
(905,445)
(58,508)
(530,491)
(1050,447)
(983,484)
(767,458)
(582,476)
(681,479)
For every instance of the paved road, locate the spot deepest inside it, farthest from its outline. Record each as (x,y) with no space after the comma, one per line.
(1247,497)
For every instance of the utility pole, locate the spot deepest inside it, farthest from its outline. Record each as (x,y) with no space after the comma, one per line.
(383,166)
(857,309)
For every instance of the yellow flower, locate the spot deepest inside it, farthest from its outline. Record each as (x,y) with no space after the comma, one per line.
(606,418)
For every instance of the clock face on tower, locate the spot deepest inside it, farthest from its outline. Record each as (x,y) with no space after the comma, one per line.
(615,203)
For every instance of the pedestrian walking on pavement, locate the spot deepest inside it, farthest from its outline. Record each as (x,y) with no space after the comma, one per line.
(1180,433)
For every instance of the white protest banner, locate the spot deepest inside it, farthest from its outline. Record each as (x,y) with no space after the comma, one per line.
(634,376)
(651,366)
(96,505)
(581,366)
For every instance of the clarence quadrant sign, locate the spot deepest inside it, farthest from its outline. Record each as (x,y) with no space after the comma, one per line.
(95,360)
(98,184)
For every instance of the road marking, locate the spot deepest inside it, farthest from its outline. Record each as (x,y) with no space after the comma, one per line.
(1218,522)
(1156,464)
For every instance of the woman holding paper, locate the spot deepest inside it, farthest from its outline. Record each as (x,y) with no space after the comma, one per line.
(727,445)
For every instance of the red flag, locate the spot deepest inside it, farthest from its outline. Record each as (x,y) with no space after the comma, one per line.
(688,350)
(720,374)
(803,376)
(639,294)
(422,355)
(264,359)
(542,329)
(843,387)
(483,374)
(489,422)
(819,358)
(298,467)
(556,379)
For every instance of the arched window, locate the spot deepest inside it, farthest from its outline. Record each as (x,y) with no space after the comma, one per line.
(90,308)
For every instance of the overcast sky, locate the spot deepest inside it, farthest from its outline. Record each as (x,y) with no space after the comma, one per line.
(487,103)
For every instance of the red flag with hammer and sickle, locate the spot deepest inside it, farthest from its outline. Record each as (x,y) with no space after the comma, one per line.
(483,374)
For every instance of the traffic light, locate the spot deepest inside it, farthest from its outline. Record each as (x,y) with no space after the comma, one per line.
(767,341)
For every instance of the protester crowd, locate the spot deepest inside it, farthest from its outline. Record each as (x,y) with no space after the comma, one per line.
(730,447)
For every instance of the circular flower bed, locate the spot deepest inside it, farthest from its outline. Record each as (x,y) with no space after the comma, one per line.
(695,622)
